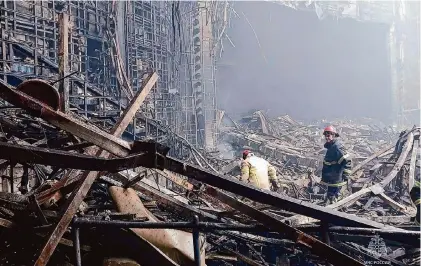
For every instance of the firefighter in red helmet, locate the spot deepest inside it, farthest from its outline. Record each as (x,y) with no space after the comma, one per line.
(336,165)
(258,172)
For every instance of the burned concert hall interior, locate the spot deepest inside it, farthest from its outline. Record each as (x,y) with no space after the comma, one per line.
(218,133)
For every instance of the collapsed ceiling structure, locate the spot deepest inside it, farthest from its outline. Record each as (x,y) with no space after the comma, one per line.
(122,157)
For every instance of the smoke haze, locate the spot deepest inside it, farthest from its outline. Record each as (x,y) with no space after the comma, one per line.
(307,68)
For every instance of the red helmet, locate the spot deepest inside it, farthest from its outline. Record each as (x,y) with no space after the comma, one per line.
(330,129)
(245,153)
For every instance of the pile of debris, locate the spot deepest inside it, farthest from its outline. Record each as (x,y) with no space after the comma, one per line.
(65,178)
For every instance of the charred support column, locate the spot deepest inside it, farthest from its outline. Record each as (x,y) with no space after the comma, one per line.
(63,21)
(196,241)
(76,245)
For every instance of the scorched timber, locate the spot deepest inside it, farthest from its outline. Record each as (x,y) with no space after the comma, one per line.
(268,197)
(57,158)
(87,178)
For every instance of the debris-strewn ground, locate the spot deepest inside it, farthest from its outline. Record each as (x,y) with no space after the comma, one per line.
(61,172)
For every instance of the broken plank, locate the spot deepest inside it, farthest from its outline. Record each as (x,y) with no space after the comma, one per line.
(86,181)
(267,197)
(64,121)
(369,159)
(29,154)
(317,247)
(164,199)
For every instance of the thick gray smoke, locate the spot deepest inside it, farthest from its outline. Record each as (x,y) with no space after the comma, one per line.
(307,68)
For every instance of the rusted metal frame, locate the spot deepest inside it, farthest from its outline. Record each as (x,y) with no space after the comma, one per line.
(129,111)
(62,159)
(163,198)
(136,179)
(182,182)
(88,178)
(37,209)
(265,197)
(412,164)
(63,54)
(186,185)
(66,122)
(317,247)
(6,223)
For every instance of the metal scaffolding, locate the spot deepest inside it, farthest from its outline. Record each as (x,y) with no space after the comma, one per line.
(112,47)
(30,44)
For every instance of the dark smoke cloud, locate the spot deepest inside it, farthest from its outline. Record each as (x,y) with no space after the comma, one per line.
(313,69)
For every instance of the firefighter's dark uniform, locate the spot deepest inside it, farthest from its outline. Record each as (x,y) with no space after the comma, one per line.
(336,169)
(415,197)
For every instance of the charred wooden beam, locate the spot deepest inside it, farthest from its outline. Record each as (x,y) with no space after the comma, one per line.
(88,178)
(316,246)
(57,158)
(267,197)
(64,121)
(122,148)
(163,198)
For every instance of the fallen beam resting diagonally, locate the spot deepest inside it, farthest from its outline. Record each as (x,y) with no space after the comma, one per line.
(86,132)
(202,175)
(112,144)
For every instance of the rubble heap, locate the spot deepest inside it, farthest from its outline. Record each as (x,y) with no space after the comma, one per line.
(77,194)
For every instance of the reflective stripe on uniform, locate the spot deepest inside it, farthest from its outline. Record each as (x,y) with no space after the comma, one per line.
(333,185)
(343,158)
(329,163)
(417,202)
(347,171)
(417,184)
